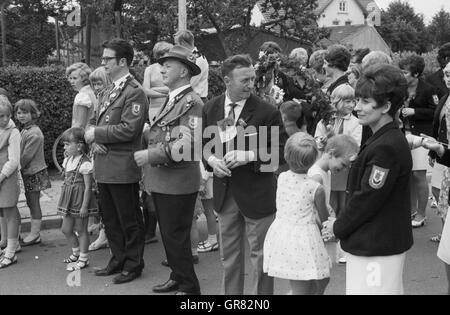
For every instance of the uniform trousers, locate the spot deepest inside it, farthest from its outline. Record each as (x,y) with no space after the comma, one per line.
(124,225)
(234,230)
(175,213)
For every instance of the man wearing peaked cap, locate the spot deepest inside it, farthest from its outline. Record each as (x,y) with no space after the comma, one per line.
(171,167)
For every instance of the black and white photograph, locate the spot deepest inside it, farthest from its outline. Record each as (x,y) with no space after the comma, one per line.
(224,148)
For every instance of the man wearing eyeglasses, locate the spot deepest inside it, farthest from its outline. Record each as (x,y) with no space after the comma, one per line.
(115,133)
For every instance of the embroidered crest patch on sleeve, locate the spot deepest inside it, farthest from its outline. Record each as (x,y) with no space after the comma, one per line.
(378,177)
(136,108)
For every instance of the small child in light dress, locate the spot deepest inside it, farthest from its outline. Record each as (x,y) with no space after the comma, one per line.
(293,248)
(33,168)
(9,183)
(77,200)
(339,152)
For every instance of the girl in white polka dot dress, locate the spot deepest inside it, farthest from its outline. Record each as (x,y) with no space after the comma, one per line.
(293,248)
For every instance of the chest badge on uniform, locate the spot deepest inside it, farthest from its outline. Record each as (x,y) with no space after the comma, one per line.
(107,118)
(378,177)
(136,108)
(193,122)
(113,95)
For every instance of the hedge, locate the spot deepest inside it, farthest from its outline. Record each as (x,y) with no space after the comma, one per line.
(49,88)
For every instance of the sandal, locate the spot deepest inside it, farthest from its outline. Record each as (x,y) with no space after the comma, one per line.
(80,264)
(204,247)
(7,261)
(72,259)
(96,246)
(436,239)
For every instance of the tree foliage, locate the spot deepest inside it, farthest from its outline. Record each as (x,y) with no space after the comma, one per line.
(439,28)
(404,29)
(147,21)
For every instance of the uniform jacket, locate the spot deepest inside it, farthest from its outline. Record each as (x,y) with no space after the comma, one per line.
(424,104)
(253,189)
(377,218)
(175,146)
(439,132)
(119,122)
(436,80)
(32,158)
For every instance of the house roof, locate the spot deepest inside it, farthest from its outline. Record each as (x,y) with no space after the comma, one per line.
(323,4)
(339,33)
(350,34)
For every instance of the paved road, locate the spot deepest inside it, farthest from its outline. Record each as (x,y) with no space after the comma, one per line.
(40,270)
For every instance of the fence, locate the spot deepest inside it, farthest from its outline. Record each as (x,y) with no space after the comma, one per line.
(33,39)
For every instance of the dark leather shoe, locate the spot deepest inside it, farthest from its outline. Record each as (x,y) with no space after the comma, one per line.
(169,286)
(126,276)
(105,272)
(195,260)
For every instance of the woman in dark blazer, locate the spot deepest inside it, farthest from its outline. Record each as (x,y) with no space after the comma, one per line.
(374,228)
(417,117)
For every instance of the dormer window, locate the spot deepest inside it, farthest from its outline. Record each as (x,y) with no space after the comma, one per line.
(343,6)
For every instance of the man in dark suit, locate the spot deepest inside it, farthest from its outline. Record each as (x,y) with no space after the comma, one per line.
(173,176)
(437,79)
(244,182)
(115,133)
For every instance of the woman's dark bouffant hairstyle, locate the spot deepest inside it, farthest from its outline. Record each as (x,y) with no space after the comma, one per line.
(76,135)
(384,83)
(339,57)
(414,64)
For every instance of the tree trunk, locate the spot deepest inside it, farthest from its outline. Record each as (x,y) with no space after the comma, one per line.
(58,48)
(3,25)
(88,35)
(226,49)
(118,17)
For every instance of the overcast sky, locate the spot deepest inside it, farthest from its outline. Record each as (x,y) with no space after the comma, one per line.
(427,7)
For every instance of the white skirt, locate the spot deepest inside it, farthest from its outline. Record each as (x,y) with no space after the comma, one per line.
(444,244)
(437,175)
(420,159)
(375,275)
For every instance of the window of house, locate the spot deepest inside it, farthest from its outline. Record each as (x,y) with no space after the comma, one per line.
(348,22)
(336,22)
(343,6)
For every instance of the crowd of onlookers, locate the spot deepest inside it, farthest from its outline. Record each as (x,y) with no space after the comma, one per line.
(334,105)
